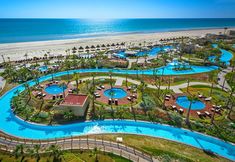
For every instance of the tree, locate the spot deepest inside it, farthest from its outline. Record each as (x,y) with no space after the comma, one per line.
(19,151)
(26,86)
(68,115)
(76,78)
(56,152)
(192,99)
(211,76)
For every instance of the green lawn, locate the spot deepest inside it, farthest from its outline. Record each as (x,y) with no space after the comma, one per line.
(165,150)
(67,156)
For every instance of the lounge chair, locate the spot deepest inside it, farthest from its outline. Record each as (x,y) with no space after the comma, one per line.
(102,87)
(98,88)
(200,114)
(169,96)
(43,95)
(129,98)
(207,113)
(208,98)
(173,106)
(200,96)
(181,110)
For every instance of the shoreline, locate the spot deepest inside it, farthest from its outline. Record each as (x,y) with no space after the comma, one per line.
(97,35)
(57,47)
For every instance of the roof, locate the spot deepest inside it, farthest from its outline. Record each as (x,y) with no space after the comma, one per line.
(74,100)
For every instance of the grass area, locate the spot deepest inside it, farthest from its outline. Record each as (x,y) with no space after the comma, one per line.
(67,156)
(164,150)
(230,77)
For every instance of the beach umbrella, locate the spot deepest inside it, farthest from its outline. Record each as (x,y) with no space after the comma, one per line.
(92,47)
(87,47)
(81,48)
(108,45)
(103,45)
(112,44)
(98,46)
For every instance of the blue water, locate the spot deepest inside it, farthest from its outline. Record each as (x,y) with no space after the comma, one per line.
(185,103)
(152,52)
(10,124)
(225,56)
(115,93)
(43,68)
(24,30)
(54,89)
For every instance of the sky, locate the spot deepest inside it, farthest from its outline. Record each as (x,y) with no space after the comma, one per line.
(105,9)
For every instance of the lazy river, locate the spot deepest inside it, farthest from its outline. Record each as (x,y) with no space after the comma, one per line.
(12,125)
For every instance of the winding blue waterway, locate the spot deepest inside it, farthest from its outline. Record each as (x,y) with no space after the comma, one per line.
(12,125)
(24,30)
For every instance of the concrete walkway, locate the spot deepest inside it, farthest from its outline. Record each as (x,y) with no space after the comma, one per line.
(79,143)
(175,88)
(221,79)
(2,83)
(119,81)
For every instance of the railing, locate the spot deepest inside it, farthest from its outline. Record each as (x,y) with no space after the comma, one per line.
(8,143)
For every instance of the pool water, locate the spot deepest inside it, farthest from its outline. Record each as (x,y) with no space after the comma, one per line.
(54,89)
(152,52)
(225,56)
(43,68)
(115,93)
(185,103)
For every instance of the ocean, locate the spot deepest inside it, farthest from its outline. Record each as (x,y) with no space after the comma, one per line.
(27,30)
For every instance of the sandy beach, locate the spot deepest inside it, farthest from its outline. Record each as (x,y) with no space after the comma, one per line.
(17,51)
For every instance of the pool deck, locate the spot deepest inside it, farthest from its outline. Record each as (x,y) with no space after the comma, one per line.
(172,101)
(50,96)
(121,101)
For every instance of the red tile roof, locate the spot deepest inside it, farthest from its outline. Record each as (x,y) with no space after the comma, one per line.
(74,100)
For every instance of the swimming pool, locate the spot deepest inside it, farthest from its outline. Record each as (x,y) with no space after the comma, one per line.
(54,89)
(225,56)
(152,52)
(12,125)
(115,93)
(43,68)
(184,102)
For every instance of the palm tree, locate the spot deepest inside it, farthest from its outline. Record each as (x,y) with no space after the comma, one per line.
(211,76)
(192,99)
(36,152)
(19,151)
(188,84)
(120,112)
(76,78)
(55,151)
(27,87)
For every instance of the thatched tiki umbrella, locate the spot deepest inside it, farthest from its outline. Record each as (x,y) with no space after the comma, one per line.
(98,48)
(87,49)
(103,47)
(113,45)
(93,48)
(81,49)
(74,50)
(108,46)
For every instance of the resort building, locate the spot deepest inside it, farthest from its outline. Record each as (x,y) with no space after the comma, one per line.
(231,33)
(76,103)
